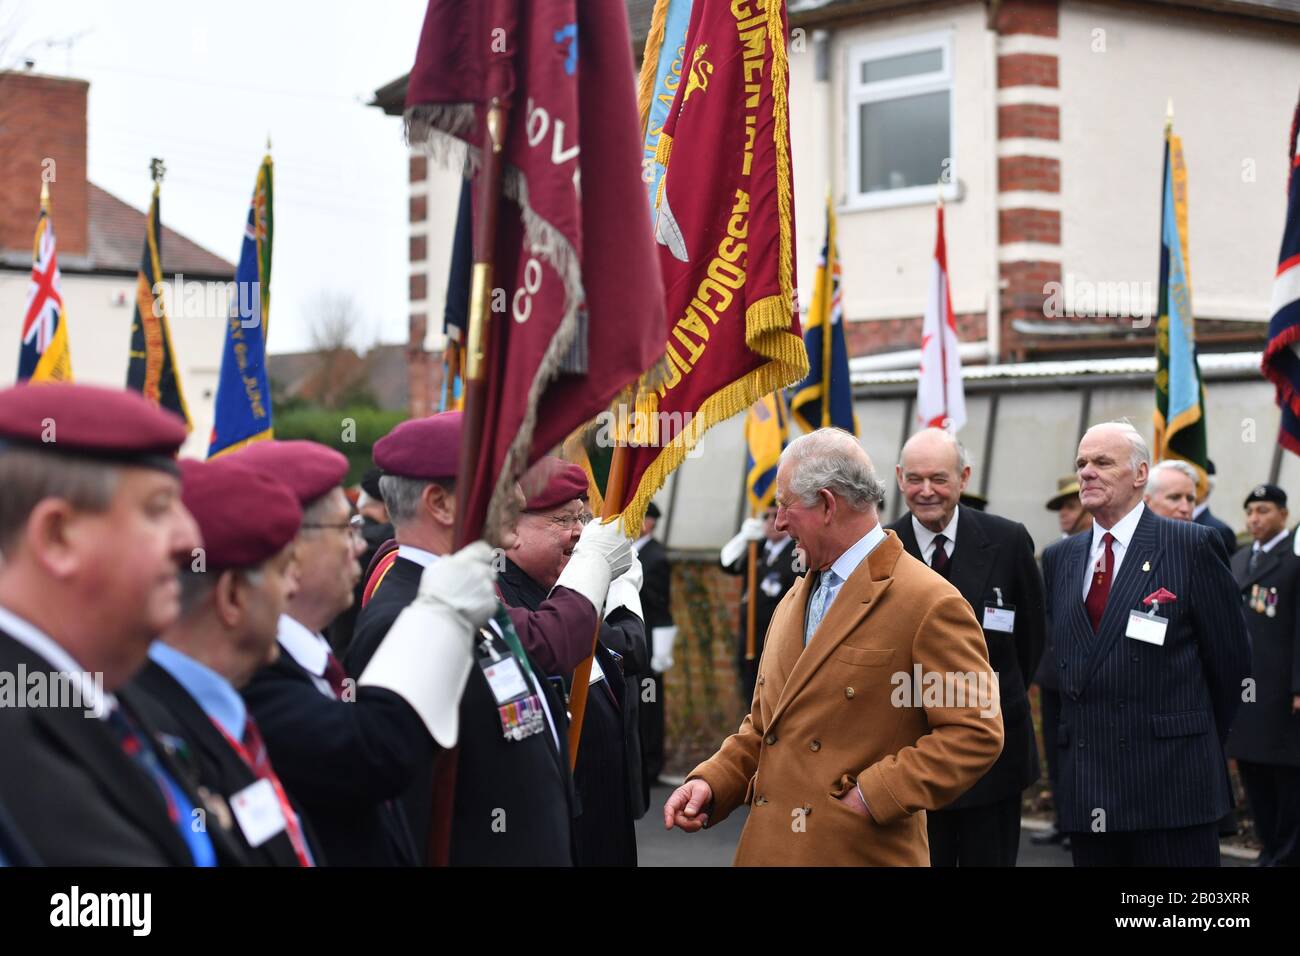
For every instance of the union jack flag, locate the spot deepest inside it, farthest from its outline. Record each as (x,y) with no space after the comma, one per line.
(1281,363)
(43,353)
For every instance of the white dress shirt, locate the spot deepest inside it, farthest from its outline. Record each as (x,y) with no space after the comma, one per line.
(308,648)
(925,537)
(421,557)
(1123,534)
(93,696)
(1271,543)
(845,565)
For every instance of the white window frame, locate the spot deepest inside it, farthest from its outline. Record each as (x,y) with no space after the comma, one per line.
(857,93)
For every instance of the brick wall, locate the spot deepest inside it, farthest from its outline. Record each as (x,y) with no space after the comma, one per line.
(43,118)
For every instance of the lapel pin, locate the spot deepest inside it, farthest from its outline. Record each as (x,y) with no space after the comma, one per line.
(1146,565)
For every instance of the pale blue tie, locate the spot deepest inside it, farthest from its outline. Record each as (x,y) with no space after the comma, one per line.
(820,603)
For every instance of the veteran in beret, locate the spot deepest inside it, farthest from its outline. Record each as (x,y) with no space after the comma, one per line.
(93,533)
(513,795)
(1265,737)
(346,748)
(231,601)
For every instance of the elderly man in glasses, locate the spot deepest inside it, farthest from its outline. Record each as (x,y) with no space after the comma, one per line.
(608,770)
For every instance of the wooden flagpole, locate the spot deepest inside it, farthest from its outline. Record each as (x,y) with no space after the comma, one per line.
(475,401)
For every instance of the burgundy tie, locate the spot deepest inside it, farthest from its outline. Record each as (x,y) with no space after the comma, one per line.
(335,674)
(1100,590)
(939,560)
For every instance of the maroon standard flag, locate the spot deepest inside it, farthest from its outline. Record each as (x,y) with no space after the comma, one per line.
(577,312)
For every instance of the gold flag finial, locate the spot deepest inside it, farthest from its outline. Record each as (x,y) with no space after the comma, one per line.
(45,195)
(157,169)
(1169,115)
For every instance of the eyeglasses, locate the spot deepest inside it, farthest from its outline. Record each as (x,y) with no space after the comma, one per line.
(353,525)
(571,521)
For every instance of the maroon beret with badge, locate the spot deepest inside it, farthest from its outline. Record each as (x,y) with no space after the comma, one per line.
(310,469)
(422,447)
(552,482)
(114,425)
(245,515)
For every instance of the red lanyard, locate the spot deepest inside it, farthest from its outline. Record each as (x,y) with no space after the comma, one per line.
(261,765)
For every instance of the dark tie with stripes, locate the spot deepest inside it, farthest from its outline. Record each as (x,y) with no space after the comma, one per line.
(939,560)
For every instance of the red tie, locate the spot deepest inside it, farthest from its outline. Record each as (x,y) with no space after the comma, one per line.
(253,752)
(939,560)
(335,674)
(1100,590)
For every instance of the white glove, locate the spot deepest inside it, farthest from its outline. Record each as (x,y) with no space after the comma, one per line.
(661,648)
(427,655)
(750,530)
(601,555)
(626,591)
(463,582)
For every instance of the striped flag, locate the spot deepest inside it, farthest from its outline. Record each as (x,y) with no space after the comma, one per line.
(1281,364)
(152,367)
(44,355)
(661,74)
(243,407)
(940,396)
(767,428)
(825,397)
(1180,399)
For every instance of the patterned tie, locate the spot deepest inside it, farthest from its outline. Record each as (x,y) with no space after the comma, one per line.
(180,811)
(820,603)
(1100,590)
(1255,554)
(939,560)
(254,754)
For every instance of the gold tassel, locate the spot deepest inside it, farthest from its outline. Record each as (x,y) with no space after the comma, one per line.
(654,42)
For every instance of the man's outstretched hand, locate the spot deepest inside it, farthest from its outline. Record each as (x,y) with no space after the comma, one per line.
(686,808)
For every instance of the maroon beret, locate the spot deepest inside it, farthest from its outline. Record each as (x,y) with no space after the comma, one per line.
(111,424)
(245,516)
(552,482)
(310,469)
(421,447)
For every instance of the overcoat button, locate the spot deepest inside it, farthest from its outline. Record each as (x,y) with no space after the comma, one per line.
(848,692)
(770,739)
(815,746)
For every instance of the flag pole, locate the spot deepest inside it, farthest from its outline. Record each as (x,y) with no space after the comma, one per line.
(468,528)
(612,505)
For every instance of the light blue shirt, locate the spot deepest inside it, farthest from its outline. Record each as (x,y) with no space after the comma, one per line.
(210,690)
(843,567)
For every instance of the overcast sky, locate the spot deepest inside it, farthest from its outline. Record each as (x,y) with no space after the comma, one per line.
(203,84)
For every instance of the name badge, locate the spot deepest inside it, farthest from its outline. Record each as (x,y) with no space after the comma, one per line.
(258,812)
(505,679)
(1000,618)
(1146,627)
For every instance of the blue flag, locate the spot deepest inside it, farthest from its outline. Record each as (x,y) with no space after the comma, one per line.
(243,407)
(825,397)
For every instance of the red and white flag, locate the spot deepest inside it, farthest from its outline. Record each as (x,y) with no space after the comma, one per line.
(940,398)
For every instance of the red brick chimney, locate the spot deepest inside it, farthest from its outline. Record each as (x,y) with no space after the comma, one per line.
(43,127)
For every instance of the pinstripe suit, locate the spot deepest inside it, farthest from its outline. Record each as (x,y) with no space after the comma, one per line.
(1142,725)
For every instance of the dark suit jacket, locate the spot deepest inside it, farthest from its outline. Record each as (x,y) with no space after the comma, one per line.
(344,762)
(1208,519)
(217,768)
(1142,725)
(623,634)
(76,797)
(1265,730)
(527,780)
(992,552)
(780,574)
(14,848)
(656,589)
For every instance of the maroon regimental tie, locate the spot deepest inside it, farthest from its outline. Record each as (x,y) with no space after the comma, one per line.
(939,560)
(335,674)
(1101,577)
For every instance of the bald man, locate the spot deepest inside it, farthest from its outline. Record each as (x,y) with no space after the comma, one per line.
(990,560)
(1148,629)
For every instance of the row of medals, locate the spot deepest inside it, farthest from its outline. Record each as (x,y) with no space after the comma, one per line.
(1263,600)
